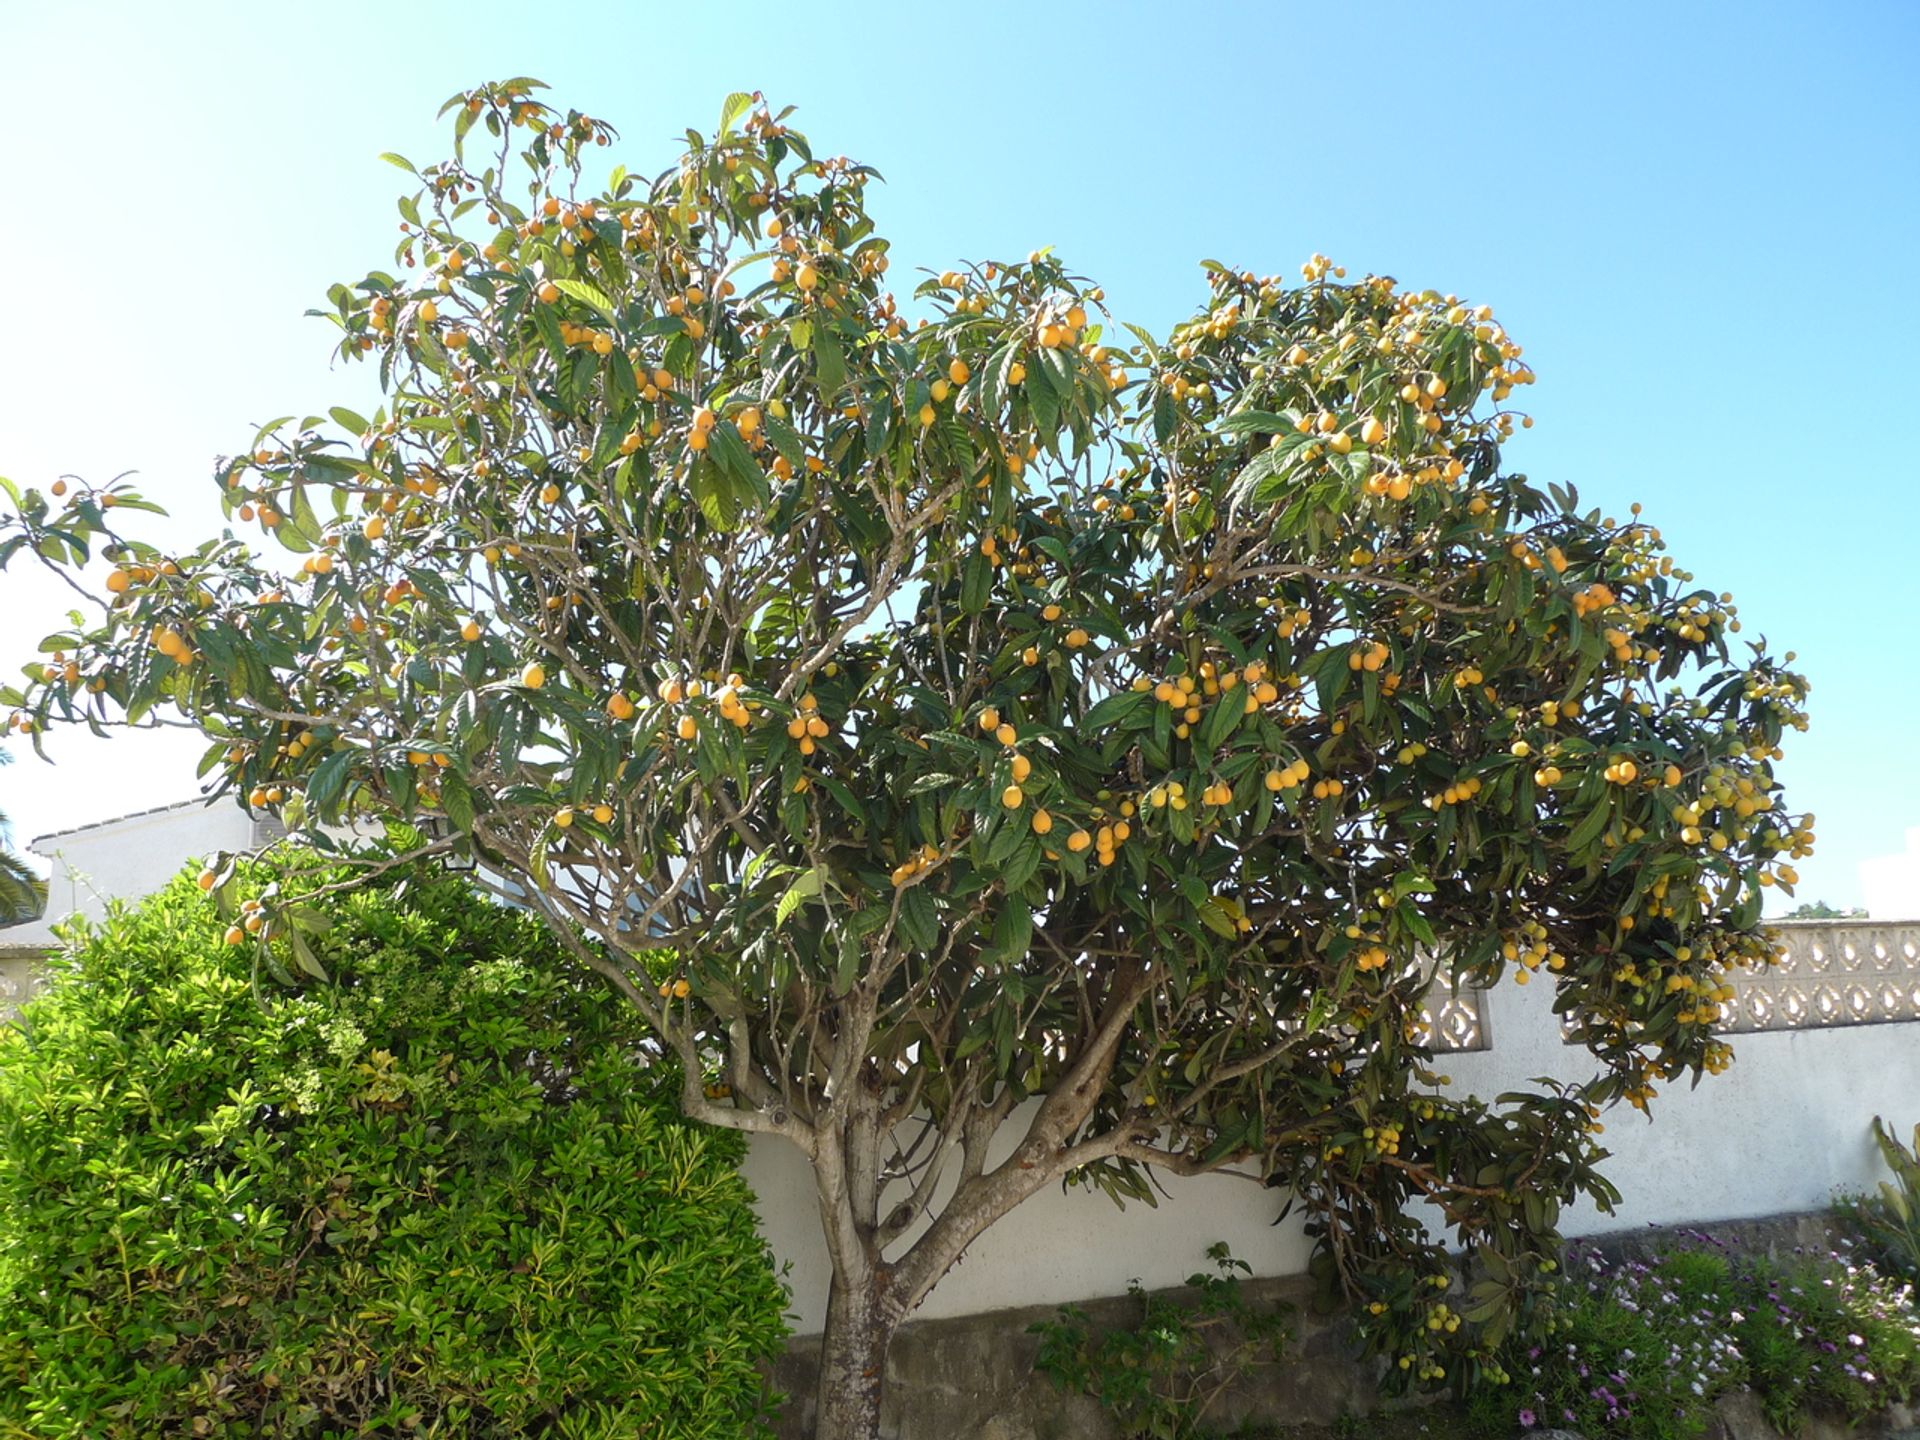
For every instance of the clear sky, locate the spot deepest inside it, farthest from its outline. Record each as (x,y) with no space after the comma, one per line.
(1701,220)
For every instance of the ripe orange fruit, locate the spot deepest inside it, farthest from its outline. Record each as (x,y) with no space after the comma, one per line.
(1013,797)
(534,676)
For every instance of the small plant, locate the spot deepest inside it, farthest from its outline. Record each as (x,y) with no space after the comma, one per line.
(1161,1377)
(1889,1221)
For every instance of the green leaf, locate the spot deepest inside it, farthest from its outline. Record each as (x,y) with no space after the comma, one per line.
(588,295)
(1222,720)
(829,365)
(845,798)
(1590,826)
(750,482)
(1256,422)
(735,105)
(1416,922)
(300,523)
(1108,713)
(715,496)
(1012,928)
(976,581)
(919,922)
(328,780)
(802,890)
(456,799)
(304,956)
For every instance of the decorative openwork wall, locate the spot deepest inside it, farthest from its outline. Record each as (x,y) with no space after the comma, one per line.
(1455,1021)
(1833,972)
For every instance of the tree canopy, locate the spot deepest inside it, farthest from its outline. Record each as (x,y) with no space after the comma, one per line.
(985,703)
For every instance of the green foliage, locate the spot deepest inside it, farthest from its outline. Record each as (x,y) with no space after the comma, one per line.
(446,1194)
(1889,1219)
(1161,1376)
(1006,706)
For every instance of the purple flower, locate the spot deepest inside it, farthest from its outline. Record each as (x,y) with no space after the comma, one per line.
(1528,1419)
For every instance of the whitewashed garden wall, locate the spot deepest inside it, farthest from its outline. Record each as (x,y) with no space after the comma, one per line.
(1824,1042)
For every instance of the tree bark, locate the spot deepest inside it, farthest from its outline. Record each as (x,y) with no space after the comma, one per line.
(853,1361)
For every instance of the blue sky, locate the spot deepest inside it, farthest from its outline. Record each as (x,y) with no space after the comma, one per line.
(1701,220)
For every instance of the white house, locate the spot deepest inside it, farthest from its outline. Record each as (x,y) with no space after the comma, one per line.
(122,858)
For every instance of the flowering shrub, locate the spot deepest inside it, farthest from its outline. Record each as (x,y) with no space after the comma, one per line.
(1641,1349)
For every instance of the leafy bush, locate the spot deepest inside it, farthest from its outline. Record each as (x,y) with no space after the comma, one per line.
(444,1194)
(1160,1377)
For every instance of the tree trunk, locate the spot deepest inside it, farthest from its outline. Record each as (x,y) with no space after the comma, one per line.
(853,1362)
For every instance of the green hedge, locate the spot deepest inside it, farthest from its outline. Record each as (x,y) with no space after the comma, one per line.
(443,1194)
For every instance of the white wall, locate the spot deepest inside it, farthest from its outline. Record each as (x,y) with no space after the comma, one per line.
(1779,1132)
(1057,1247)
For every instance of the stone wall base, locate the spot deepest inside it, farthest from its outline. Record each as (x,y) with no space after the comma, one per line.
(972,1377)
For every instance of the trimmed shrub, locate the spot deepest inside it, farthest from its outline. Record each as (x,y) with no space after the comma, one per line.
(444,1193)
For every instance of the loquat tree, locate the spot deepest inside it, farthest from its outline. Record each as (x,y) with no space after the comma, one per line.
(1051,754)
